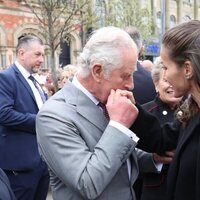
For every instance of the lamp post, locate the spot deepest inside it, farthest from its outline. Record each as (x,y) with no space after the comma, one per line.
(163,9)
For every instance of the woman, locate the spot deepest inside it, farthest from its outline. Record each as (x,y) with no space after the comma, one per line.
(180,53)
(163,107)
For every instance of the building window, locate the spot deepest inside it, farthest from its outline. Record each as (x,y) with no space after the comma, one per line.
(100,12)
(186,18)
(64,57)
(172,21)
(187,2)
(158,21)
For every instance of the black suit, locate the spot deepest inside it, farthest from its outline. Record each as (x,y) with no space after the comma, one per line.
(144,89)
(184,173)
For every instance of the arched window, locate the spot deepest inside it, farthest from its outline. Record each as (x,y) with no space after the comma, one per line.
(158,20)
(186,18)
(172,21)
(64,57)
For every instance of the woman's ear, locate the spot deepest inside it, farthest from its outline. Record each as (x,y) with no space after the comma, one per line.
(97,72)
(156,83)
(188,70)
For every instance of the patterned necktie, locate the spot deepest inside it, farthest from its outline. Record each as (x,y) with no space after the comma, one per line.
(105,112)
(42,95)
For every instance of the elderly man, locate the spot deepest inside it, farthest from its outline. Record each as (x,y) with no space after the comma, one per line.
(92,155)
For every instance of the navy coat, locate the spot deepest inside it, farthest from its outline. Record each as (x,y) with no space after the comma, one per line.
(18,109)
(144,89)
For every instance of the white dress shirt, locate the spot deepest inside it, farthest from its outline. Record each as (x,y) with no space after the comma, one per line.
(26,75)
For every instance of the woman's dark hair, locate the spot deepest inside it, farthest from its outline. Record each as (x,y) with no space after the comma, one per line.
(183,43)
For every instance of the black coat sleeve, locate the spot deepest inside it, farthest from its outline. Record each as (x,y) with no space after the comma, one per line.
(153,136)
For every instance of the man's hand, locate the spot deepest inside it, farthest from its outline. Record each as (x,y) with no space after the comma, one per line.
(121,108)
(166,159)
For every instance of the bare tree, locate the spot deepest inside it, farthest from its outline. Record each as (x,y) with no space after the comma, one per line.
(56,20)
(124,13)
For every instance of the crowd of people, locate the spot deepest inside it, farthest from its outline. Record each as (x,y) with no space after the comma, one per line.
(113,130)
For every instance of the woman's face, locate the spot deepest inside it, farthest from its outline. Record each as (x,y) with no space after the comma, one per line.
(174,75)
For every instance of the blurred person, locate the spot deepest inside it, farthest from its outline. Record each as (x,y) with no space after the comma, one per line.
(91,155)
(50,90)
(180,54)
(147,64)
(144,90)
(21,98)
(163,107)
(41,77)
(6,192)
(65,74)
(71,69)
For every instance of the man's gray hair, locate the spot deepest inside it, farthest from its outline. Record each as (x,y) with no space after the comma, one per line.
(104,47)
(27,40)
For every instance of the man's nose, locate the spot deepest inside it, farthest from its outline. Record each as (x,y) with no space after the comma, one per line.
(42,59)
(130,84)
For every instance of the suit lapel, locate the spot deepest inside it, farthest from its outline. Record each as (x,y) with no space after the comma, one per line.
(24,82)
(85,106)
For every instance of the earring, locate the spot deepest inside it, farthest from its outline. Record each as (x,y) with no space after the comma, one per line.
(187,77)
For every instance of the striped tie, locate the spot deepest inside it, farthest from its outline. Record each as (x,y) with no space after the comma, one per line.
(36,84)
(105,112)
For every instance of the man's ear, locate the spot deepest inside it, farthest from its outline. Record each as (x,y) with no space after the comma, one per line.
(97,72)
(21,53)
(188,70)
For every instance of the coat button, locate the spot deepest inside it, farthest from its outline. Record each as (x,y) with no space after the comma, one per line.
(164,112)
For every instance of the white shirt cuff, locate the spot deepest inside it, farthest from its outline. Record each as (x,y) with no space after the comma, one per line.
(158,166)
(125,130)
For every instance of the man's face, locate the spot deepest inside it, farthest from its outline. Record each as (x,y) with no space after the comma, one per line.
(32,57)
(120,78)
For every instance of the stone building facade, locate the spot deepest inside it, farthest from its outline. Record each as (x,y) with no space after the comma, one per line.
(166,14)
(16,20)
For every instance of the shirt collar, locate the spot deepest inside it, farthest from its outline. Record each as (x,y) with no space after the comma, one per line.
(77,84)
(22,70)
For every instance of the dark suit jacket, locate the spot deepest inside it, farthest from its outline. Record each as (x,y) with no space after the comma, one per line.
(5,189)
(144,89)
(184,173)
(155,184)
(18,109)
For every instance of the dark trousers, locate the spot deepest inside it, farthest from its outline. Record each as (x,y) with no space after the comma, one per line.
(30,185)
